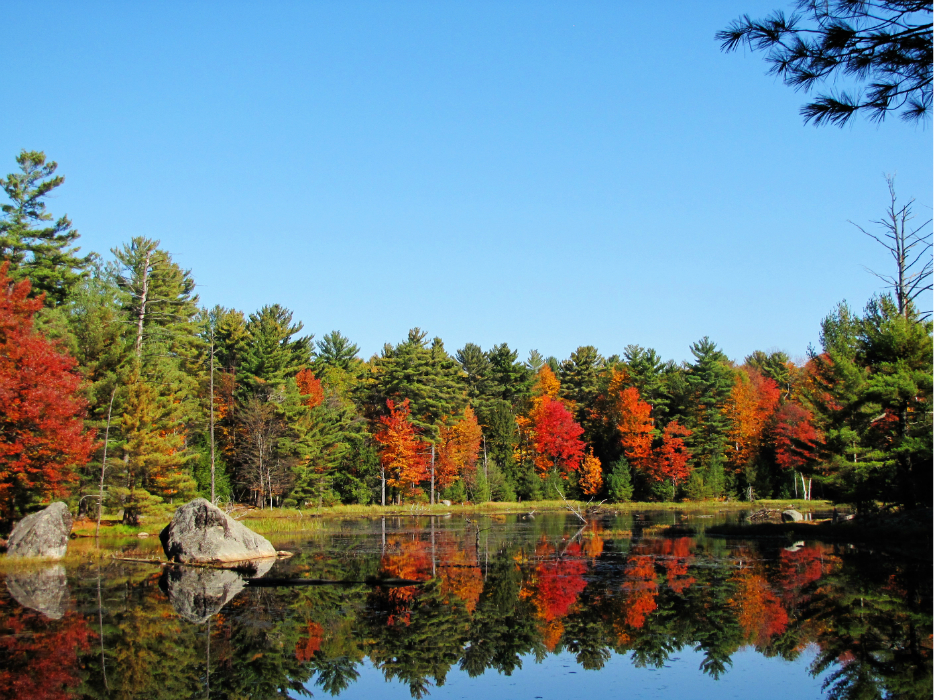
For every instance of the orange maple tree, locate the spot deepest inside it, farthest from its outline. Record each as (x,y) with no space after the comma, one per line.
(753,400)
(402,453)
(458,450)
(309,386)
(42,435)
(636,428)
(591,479)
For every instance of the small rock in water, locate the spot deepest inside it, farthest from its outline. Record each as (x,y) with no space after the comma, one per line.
(791,516)
(202,532)
(42,534)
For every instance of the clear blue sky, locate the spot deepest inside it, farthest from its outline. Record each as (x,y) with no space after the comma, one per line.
(549,174)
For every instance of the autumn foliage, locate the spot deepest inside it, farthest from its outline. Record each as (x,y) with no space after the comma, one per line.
(795,437)
(753,400)
(591,474)
(458,450)
(310,388)
(556,437)
(43,437)
(635,428)
(402,453)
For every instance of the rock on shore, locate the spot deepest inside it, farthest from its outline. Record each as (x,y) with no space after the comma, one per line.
(43,534)
(202,533)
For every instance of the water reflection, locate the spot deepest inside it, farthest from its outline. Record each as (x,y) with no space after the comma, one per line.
(495,596)
(44,590)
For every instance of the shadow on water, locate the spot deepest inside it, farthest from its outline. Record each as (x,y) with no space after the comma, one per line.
(494,594)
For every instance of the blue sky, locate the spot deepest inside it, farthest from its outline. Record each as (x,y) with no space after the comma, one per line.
(548,174)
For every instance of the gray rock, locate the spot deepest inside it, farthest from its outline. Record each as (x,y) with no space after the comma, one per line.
(791,516)
(42,534)
(445,502)
(201,532)
(197,594)
(45,590)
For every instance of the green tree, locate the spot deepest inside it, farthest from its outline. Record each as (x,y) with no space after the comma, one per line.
(871,391)
(709,380)
(271,354)
(884,44)
(37,247)
(580,379)
(335,350)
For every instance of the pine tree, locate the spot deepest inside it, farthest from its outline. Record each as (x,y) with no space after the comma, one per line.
(39,251)
(271,355)
(709,381)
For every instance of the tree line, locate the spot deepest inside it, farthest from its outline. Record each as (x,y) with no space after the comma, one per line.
(118,389)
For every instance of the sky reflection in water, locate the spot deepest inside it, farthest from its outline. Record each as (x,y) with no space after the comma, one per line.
(511,607)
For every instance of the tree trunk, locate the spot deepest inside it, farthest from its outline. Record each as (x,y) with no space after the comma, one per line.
(213,497)
(142,307)
(432,473)
(100,497)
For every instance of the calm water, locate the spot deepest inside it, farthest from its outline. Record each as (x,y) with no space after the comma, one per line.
(631,605)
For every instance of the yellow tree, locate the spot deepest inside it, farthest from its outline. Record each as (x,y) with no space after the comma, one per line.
(458,450)
(591,479)
(753,400)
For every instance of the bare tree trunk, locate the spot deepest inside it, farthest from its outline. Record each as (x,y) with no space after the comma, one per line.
(213,497)
(382,478)
(486,474)
(100,497)
(432,473)
(142,307)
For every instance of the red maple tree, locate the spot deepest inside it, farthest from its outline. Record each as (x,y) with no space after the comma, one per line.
(795,437)
(556,437)
(672,456)
(42,436)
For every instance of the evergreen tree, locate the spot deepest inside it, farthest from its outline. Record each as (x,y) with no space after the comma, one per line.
(709,380)
(271,355)
(425,375)
(478,377)
(37,247)
(335,350)
(619,482)
(512,380)
(649,374)
(580,379)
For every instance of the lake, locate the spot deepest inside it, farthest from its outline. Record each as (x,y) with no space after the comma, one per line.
(642,605)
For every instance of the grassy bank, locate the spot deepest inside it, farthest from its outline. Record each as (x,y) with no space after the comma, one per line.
(273,520)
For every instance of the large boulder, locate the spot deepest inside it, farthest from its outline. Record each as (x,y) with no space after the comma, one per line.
(202,533)
(198,593)
(791,516)
(45,590)
(42,534)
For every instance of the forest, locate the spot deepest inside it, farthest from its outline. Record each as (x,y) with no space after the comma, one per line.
(117,388)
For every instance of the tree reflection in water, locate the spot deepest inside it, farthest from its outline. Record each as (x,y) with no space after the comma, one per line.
(492,599)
